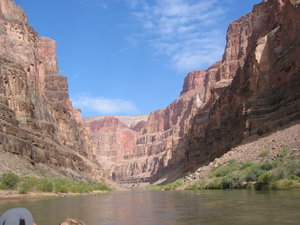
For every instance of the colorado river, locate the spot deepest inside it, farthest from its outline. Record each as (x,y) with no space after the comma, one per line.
(167,208)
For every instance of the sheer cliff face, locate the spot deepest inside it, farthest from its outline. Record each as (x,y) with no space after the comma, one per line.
(114,139)
(251,91)
(264,95)
(37,119)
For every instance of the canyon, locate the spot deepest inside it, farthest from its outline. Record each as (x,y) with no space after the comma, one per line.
(252,92)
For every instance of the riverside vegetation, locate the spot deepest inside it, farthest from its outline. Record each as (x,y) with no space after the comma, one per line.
(11,181)
(270,174)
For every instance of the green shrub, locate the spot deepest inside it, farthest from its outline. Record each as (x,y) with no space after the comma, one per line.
(9,181)
(267,165)
(24,188)
(101,187)
(233,181)
(250,186)
(225,170)
(68,185)
(264,154)
(253,172)
(293,166)
(215,184)
(172,186)
(167,187)
(283,184)
(264,181)
(286,167)
(246,164)
(200,185)
(35,184)
(45,185)
(281,172)
(293,177)
(62,185)
(284,152)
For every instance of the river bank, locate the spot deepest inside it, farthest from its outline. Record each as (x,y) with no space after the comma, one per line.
(267,171)
(13,186)
(14,195)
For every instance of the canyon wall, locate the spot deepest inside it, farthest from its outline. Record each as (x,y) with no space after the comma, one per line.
(37,120)
(115,138)
(264,95)
(250,92)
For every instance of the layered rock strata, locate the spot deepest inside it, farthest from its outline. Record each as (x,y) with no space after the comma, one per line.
(115,138)
(264,95)
(37,120)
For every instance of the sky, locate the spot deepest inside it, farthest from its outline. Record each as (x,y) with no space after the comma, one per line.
(129,57)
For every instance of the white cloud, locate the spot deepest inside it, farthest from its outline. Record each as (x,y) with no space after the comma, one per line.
(184,30)
(102,105)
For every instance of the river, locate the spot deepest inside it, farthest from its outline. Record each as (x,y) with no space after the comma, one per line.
(167,208)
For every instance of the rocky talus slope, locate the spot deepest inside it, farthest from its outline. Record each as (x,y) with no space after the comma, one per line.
(253,91)
(37,121)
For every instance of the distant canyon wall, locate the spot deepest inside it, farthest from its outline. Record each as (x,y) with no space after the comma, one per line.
(37,120)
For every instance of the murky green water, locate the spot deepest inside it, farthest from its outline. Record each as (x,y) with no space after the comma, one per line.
(168,208)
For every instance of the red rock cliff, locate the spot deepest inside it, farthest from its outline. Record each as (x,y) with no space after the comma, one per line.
(37,120)
(115,138)
(264,95)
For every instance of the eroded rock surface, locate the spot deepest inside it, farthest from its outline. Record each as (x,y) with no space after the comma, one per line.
(37,120)
(264,95)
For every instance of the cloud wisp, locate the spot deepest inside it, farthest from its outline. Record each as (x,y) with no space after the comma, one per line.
(100,105)
(187,31)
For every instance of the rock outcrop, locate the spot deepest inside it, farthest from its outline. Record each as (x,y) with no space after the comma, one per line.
(37,120)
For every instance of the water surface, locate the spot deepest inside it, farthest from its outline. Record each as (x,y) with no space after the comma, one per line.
(168,208)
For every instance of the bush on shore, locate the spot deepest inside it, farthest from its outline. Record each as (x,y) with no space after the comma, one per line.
(280,174)
(9,181)
(57,185)
(167,187)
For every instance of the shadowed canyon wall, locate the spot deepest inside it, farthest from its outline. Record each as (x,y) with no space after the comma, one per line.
(265,94)
(37,120)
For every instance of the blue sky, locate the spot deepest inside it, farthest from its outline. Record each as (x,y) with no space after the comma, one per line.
(127,57)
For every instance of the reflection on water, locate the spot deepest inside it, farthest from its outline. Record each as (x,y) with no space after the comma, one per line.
(168,208)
